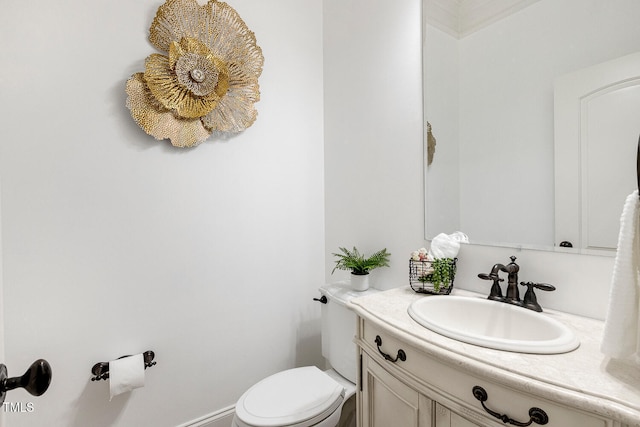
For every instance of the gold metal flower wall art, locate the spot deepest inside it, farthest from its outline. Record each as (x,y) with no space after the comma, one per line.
(207,80)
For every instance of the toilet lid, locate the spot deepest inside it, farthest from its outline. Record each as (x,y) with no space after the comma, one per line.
(300,396)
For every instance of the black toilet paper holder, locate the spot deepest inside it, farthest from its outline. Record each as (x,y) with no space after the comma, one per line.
(101,369)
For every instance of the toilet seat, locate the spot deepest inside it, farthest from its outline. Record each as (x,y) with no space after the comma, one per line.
(298,397)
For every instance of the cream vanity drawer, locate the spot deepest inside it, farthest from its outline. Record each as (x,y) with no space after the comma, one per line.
(452,386)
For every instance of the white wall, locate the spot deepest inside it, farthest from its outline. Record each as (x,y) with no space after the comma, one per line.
(373,131)
(114,243)
(2,355)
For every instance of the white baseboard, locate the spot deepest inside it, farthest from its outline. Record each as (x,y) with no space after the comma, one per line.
(221,418)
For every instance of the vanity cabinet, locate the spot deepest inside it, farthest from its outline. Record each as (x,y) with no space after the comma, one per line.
(402,386)
(387,401)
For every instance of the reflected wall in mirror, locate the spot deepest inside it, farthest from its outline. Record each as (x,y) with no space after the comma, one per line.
(489,78)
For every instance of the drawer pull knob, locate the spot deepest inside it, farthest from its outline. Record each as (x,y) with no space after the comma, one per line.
(536,415)
(401,354)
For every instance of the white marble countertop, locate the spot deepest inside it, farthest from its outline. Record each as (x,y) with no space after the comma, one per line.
(584,378)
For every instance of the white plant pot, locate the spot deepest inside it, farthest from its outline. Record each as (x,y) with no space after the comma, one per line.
(360,282)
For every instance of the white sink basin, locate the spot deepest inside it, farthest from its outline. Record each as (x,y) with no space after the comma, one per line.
(493,324)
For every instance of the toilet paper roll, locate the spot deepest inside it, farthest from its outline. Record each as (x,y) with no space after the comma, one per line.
(126,374)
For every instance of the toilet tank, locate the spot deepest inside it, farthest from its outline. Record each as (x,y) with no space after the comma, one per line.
(339,329)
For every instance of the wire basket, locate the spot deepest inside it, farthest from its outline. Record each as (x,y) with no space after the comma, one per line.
(432,277)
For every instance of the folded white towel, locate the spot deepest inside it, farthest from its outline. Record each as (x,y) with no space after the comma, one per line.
(447,246)
(622,326)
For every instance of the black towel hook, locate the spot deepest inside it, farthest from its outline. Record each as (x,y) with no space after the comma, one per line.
(36,380)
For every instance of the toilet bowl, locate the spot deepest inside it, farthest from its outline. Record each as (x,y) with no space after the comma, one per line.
(308,396)
(300,397)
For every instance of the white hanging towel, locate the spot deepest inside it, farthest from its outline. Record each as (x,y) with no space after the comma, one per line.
(622,326)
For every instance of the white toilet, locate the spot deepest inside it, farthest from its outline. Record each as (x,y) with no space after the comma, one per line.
(304,397)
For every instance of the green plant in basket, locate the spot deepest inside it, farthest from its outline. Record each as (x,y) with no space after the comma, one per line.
(357,263)
(441,275)
(438,272)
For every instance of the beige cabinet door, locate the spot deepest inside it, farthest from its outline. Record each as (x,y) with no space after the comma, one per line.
(447,418)
(388,402)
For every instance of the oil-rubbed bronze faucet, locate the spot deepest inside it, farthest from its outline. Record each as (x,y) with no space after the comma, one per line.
(513,295)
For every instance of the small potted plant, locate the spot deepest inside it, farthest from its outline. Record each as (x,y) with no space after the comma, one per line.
(360,265)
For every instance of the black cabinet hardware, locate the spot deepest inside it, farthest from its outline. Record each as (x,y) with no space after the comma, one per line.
(536,415)
(401,354)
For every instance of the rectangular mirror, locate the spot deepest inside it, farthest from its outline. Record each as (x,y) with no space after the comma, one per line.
(490,74)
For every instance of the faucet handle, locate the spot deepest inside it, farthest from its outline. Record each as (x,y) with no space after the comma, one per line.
(491,276)
(541,286)
(496,291)
(530,300)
